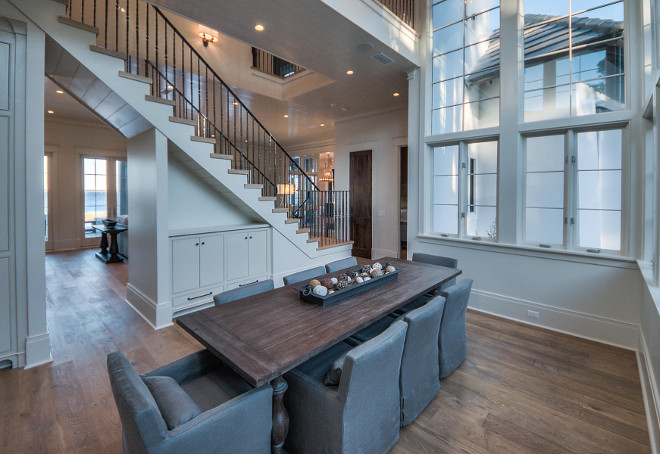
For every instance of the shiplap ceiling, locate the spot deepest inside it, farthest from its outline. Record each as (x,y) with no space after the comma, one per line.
(313,35)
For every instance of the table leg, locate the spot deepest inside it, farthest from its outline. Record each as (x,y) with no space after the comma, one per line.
(104,243)
(114,249)
(280,416)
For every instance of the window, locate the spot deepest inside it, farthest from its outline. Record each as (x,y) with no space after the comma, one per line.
(465,190)
(95,193)
(589,174)
(122,187)
(466,43)
(574,58)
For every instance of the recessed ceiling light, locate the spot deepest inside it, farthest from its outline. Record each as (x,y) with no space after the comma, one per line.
(349,72)
(322,124)
(259,27)
(59,92)
(395,94)
(286,115)
(51,112)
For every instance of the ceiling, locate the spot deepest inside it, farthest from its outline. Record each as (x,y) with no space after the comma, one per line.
(64,106)
(309,34)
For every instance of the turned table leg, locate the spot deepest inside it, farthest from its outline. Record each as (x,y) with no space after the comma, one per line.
(280,416)
(104,243)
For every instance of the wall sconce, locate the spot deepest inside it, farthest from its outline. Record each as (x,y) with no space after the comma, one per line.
(208,35)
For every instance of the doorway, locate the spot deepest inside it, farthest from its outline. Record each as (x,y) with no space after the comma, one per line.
(360,187)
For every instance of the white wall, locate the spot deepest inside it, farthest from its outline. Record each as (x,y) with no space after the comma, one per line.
(650,356)
(193,203)
(69,141)
(384,134)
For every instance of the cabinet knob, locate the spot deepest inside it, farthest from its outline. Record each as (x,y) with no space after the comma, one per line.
(196,244)
(250,237)
(203,243)
(246,238)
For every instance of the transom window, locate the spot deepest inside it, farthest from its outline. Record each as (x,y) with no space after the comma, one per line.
(574,58)
(466,45)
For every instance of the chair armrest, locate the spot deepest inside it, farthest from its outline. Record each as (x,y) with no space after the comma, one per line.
(188,367)
(242,424)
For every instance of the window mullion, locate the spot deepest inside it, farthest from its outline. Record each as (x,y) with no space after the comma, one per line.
(570,192)
(462,190)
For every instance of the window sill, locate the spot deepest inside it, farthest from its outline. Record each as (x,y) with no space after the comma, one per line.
(530,251)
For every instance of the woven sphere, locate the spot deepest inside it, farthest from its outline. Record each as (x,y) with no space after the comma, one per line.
(366,269)
(341,285)
(377,266)
(314,282)
(353,274)
(389,269)
(327,283)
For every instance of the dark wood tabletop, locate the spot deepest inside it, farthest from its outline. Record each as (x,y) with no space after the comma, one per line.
(263,336)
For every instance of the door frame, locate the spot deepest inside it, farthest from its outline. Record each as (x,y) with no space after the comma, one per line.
(50,152)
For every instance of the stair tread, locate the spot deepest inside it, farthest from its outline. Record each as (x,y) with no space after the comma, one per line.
(266,199)
(328,246)
(143,79)
(300,231)
(160,100)
(105,51)
(226,157)
(292,221)
(253,186)
(239,171)
(202,139)
(75,23)
(280,210)
(185,121)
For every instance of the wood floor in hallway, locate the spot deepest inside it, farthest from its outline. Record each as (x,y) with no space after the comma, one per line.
(521,389)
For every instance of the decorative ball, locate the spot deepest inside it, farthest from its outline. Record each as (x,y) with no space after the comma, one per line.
(376,272)
(377,266)
(327,282)
(387,264)
(354,274)
(389,269)
(359,280)
(314,282)
(367,279)
(334,280)
(366,269)
(330,291)
(363,275)
(343,277)
(340,285)
(320,290)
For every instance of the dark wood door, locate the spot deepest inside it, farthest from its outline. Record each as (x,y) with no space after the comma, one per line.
(360,174)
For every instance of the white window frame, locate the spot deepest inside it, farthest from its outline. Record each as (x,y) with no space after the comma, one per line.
(571,222)
(462,188)
(512,129)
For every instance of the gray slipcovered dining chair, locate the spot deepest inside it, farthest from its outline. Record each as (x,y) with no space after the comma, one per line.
(438,260)
(340,264)
(243,292)
(304,275)
(360,414)
(453,340)
(195,404)
(419,380)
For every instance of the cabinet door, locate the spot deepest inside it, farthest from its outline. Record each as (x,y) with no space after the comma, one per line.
(5,310)
(211,260)
(258,255)
(185,264)
(237,255)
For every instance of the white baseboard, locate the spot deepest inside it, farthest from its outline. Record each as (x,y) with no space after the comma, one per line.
(651,393)
(37,350)
(157,315)
(600,329)
(378,253)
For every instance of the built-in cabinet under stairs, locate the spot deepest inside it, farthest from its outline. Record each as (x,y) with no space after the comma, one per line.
(126,62)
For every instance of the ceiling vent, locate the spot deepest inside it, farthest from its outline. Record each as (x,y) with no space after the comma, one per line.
(382,58)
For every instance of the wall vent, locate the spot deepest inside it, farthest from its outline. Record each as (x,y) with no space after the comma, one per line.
(382,58)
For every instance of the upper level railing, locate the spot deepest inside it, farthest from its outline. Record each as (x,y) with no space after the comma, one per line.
(404,9)
(153,47)
(270,64)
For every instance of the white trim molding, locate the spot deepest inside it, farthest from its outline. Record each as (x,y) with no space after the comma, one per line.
(156,315)
(650,392)
(592,327)
(37,350)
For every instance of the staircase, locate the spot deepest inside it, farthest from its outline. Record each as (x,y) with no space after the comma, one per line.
(127,62)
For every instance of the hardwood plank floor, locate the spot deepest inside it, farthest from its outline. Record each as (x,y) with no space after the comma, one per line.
(521,389)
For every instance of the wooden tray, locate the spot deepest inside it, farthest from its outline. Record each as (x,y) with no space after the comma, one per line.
(351,290)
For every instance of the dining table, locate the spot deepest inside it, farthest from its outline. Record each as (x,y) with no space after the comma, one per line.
(263,336)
